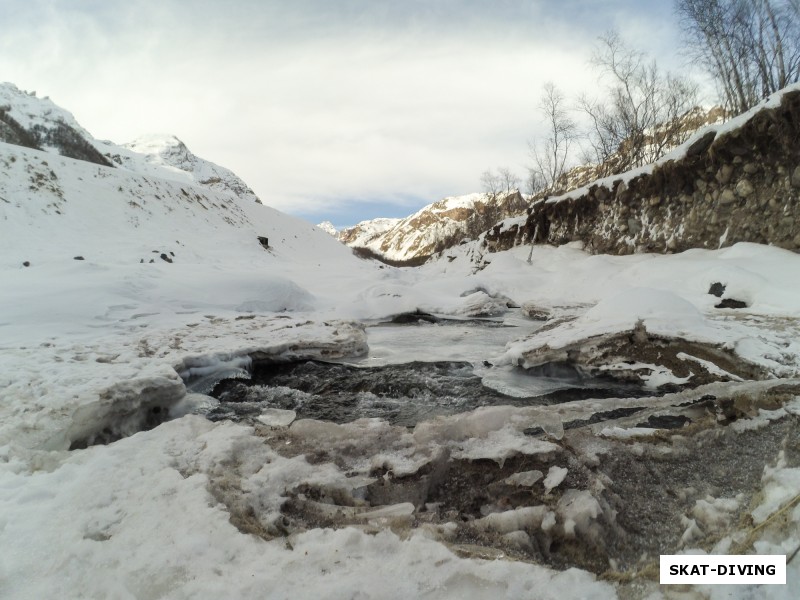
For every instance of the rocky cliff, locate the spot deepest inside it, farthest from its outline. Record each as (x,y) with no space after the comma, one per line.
(729,183)
(433,228)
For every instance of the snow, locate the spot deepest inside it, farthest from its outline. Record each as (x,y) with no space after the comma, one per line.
(161,533)
(328,228)
(28,110)
(625,433)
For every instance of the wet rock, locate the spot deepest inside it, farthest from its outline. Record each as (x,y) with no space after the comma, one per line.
(717,289)
(535,312)
(414,318)
(634,226)
(665,421)
(731,303)
(701,145)
(796,177)
(633,356)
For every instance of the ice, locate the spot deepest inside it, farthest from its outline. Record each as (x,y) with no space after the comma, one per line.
(276,417)
(527,518)
(500,445)
(578,510)
(525,478)
(395,511)
(555,476)
(192,404)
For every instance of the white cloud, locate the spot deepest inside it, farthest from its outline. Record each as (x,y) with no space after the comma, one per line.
(312,103)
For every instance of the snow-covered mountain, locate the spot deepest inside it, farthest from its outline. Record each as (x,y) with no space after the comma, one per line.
(367,232)
(434,227)
(40,124)
(328,228)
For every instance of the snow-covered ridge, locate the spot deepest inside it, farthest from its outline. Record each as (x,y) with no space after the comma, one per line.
(434,227)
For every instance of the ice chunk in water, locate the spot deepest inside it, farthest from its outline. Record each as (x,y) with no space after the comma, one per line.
(276,417)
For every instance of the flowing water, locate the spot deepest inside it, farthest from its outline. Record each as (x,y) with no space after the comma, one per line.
(414,371)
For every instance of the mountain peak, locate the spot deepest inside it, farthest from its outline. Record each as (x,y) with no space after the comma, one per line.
(166,150)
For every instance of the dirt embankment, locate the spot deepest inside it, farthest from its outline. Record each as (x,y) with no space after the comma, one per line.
(738,186)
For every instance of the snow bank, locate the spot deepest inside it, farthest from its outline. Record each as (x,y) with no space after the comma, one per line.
(140,519)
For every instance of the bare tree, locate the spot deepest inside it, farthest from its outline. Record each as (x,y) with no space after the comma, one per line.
(508,180)
(491,183)
(502,182)
(551,153)
(639,120)
(750,47)
(533,182)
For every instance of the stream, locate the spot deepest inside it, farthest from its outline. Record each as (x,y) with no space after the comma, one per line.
(415,370)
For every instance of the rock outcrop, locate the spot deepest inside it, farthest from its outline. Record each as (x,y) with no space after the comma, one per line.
(735,183)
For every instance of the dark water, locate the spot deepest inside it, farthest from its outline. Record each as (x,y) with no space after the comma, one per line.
(402,394)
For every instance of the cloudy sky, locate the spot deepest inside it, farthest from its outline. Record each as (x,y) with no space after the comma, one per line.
(329,109)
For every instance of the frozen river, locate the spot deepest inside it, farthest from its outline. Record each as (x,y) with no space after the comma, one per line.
(413,372)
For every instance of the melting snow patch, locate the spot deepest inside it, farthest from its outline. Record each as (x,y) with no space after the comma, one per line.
(579,511)
(781,484)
